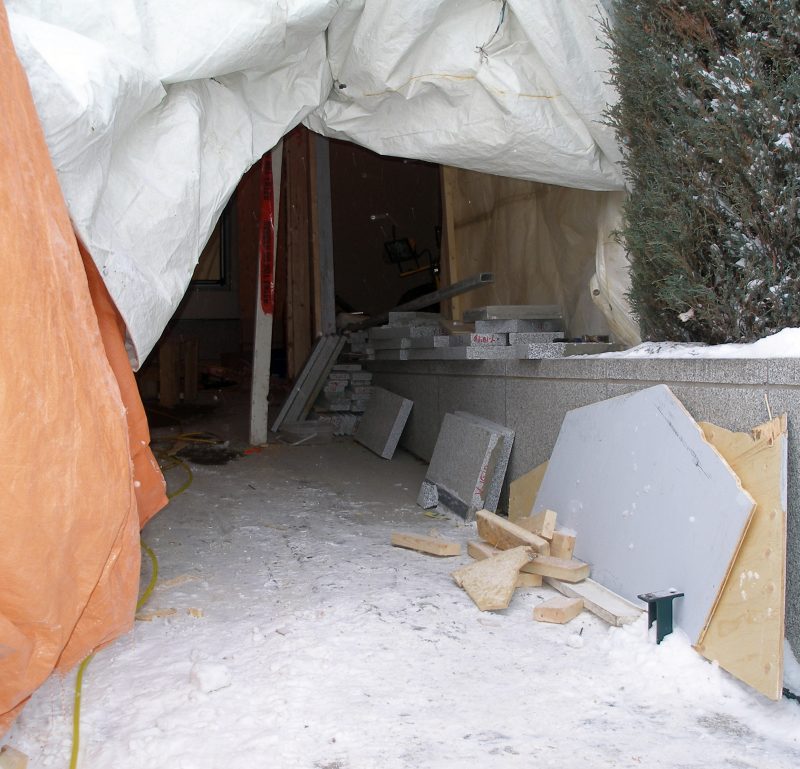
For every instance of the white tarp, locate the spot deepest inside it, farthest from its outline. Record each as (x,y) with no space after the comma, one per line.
(152,111)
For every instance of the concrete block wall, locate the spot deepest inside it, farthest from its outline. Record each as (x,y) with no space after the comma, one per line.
(532,397)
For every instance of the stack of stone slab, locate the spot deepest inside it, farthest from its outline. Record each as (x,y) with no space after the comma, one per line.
(468,465)
(500,331)
(383,422)
(344,397)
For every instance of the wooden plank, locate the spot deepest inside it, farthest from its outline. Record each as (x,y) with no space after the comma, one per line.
(490,583)
(168,373)
(566,570)
(10,758)
(270,182)
(746,630)
(562,544)
(528,580)
(523,491)
(655,504)
(299,309)
(449,250)
(599,600)
(504,534)
(558,610)
(424,544)
(191,374)
(543,524)
(323,232)
(481,550)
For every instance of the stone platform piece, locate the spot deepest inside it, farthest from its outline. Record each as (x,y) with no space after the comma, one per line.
(513,311)
(469,452)
(383,422)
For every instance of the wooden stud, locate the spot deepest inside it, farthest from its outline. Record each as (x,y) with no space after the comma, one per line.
(558,568)
(168,373)
(562,545)
(522,492)
(490,583)
(191,374)
(558,610)
(424,544)
(529,580)
(299,307)
(10,758)
(543,524)
(599,600)
(504,534)
(449,250)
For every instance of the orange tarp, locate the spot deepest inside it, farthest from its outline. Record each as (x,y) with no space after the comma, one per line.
(78,477)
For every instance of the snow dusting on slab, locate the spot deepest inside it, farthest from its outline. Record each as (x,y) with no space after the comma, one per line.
(302,640)
(784,344)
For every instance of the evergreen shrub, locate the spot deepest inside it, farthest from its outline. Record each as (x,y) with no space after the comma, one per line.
(709,121)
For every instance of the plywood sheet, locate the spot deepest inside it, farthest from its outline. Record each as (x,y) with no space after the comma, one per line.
(655,505)
(745,633)
(523,491)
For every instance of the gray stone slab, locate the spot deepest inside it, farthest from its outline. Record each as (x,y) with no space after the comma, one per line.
(518,326)
(534,337)
(383,422)
(498,476)
(361,376)
(463,463)
(513,312)
(712,370)
(428,496)
(346,367)
(411,343)
(479,352)
(491,338)
(566,349)
(654,505)
(415,318)
(397,332)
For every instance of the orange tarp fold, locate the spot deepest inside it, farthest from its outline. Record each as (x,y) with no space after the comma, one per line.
(77,474)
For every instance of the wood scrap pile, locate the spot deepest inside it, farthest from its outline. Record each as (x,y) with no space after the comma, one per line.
(541,553)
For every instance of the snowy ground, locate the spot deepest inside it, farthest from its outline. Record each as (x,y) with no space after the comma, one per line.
(322,647)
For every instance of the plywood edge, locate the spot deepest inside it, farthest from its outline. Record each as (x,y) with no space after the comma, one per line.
(523,491)
(744,632)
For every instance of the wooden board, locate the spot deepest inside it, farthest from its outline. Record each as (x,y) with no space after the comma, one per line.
(481,550)
(655,504)
(523,491)
(559,568)
(424,544)
(543,524)
(562,545)
(490,583)
(10,758)
(599,600)
(504,534)
(558,610)
(746,630)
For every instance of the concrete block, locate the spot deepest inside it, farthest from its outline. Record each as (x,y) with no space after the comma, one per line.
(513,312)
(463,463)
(518,326)
(383,422)
(498,476)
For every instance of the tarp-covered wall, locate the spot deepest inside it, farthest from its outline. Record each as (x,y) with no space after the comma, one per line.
(152,111)
(545,244)
(78,478)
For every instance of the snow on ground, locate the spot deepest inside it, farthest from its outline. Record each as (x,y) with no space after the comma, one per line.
(784,344)
(319,646)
